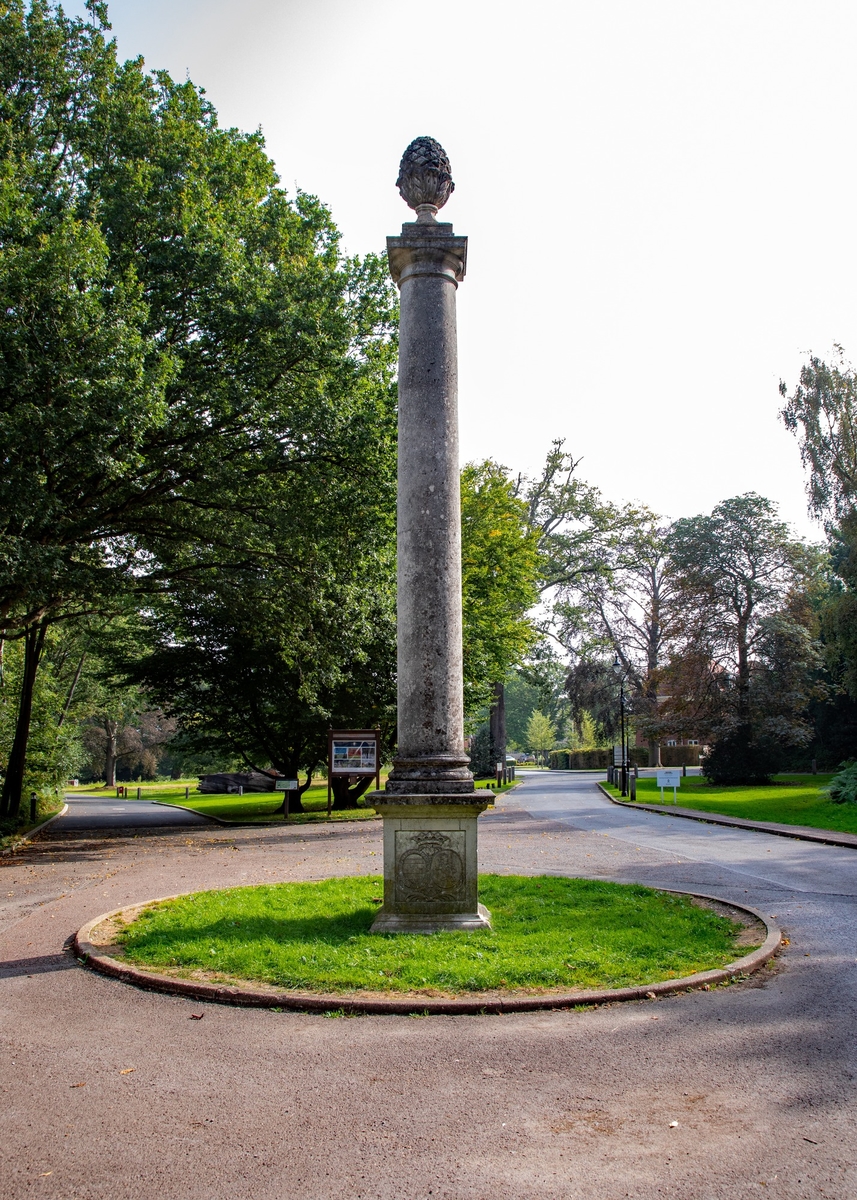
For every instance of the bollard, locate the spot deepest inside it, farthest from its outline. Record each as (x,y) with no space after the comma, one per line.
(118,792)
(684,770)
(240,789)
(634,786)
(34,803)
(187,794)
(814,767)
(139,793)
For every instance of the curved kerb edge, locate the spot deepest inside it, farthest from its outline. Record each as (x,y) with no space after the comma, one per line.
(28,837)
(90,956)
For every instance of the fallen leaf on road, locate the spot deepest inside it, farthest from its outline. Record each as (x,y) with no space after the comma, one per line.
(44,1173)
(673,1124)
(127,1070)
(787,941)
(196,1016)
(77,1085)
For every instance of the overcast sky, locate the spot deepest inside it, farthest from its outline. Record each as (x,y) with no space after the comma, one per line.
(659,198)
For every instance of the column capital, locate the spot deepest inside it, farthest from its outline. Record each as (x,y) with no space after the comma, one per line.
(427,249)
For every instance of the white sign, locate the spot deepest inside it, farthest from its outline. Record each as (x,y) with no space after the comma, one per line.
(669,779)
(617,756)
(285,785)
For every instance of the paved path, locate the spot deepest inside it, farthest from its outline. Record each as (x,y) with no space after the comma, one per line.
(245,1105)
(110,812)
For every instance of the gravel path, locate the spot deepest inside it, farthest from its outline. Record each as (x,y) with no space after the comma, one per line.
(246,1105)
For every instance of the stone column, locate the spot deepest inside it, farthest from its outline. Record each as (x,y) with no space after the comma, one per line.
(429,805)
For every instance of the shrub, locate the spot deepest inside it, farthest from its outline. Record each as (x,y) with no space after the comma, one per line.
(842,788)
(737,759)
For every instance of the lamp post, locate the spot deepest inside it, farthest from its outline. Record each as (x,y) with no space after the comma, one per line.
(619,670)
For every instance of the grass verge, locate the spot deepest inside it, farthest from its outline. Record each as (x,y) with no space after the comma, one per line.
(256,808)
(48,806)
(788,800)
(549,932)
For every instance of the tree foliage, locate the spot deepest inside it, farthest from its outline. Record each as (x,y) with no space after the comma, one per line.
(822,413)
(180,341)
(745,667)
(541,733)
(499,562)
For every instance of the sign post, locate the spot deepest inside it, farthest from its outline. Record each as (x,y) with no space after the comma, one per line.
(353,752)
(285,785)
(669,779)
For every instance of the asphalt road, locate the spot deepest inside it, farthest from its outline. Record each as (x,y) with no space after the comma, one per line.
(102,812)
(108,1091)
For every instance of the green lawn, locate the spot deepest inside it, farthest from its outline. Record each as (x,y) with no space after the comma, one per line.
(788,800)
(260,808)
(548,932)
(256,808)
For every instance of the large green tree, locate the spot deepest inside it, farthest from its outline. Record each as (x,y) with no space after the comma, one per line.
(822,413)
(499,559)
(178,337)
(746,667)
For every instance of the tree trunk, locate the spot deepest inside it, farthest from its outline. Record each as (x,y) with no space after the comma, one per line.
(654,753)
(292,802)
(498,726)
(347,789)
(743,675)
(13,783)
(71,692)
(111,729)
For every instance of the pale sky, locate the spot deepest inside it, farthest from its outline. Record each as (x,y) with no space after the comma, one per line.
(659,198)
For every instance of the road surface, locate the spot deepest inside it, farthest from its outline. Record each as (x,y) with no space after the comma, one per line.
(112,1092)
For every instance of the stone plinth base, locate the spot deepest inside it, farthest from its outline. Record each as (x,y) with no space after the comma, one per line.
(430,870)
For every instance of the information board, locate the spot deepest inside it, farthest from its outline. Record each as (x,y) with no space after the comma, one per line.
(285,785)
(353,752)
(353,756)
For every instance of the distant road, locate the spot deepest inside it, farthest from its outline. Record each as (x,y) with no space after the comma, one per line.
(108,812)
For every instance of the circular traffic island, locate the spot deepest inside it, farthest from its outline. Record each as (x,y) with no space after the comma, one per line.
(555,942)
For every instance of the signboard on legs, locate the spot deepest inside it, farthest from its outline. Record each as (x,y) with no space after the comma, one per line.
(353,752)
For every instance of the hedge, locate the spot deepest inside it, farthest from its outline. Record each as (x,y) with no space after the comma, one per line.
(599,760)
(594,760)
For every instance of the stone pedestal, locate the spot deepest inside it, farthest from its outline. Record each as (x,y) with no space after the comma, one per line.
(429,805)
(430,863)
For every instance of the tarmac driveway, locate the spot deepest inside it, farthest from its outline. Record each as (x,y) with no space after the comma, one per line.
(744,1091)
(103,812)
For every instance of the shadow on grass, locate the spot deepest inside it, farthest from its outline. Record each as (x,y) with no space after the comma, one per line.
(326,930)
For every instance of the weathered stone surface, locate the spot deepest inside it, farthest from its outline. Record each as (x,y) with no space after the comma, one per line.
(429,806)
(425,176)
(427,264)
(430,867)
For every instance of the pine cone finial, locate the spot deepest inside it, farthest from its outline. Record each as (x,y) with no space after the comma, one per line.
(425,182)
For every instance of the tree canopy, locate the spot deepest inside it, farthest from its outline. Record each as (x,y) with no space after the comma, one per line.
(181,343)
